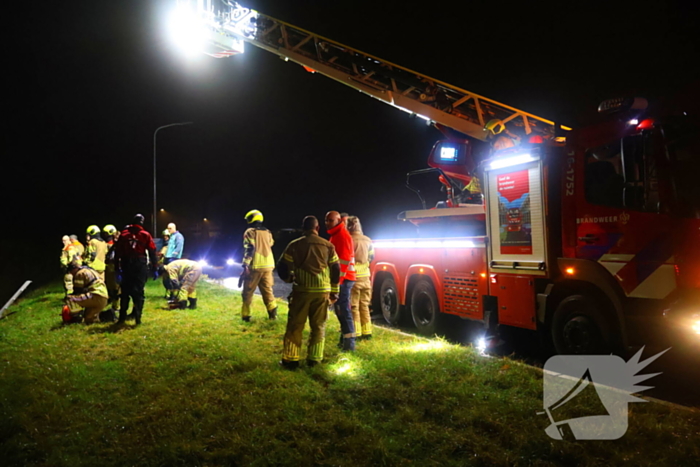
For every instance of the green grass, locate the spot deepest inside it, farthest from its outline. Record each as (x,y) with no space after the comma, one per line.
(203,388)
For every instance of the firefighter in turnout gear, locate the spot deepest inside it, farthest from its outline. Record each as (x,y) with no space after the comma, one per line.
(89,293)
(311,264)
(111,236)
(258,264)
(180,278)
(133,251)
(69,253)
(361,294)
(96,251)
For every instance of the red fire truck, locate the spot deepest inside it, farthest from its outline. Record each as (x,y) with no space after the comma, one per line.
(589,236)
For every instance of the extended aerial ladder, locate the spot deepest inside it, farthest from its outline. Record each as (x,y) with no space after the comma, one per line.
(228,28)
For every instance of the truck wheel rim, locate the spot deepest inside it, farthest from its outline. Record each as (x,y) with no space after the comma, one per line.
(424,309)
(579,334)
(389,301)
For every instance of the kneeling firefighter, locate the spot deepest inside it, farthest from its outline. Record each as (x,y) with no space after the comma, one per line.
(180,278)
(89,294)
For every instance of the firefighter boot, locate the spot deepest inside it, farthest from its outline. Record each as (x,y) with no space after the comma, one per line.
(193,303)
(272,314)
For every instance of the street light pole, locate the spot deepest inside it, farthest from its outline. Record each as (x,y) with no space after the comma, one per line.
(155,229)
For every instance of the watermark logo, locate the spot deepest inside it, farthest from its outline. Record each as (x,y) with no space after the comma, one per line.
(593,404)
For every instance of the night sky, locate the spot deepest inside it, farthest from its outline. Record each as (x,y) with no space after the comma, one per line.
(90,81)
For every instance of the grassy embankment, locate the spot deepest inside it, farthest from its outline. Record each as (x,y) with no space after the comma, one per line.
(203,388)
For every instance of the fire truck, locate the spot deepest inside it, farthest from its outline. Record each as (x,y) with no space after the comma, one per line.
(588,236)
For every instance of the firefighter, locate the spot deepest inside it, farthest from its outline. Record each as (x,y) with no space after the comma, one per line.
(96,251)
(499,136)
(133,251)
(310,263)
(164,249)
(111,280)
(78,246)
(362,290)
(342,241)
(471,194)
(68,253)
(258,263)
(176,243)
(180,278)
(89,293)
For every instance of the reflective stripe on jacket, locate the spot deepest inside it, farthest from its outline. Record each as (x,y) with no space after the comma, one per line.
(364,254)
(86,281)
(313,264)
(257,249)
(95,254)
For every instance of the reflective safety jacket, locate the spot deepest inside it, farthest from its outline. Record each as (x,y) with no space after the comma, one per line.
(96,253)
(364,254)
(86,282)
(311,263)
(68,254)
(257,249)
(79,246)
(342,241)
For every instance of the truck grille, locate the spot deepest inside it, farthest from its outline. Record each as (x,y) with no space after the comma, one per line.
(461,296)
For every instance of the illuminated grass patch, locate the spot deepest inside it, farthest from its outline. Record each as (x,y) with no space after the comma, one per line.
(204,388)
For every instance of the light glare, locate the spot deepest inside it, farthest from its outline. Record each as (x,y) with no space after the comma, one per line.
(203,262)
(187,30)
(696,327)
(481,345)
(230,262)
(509,161)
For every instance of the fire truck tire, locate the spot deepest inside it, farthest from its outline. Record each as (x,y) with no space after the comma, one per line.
(580,328)
(425,309)
(389,301)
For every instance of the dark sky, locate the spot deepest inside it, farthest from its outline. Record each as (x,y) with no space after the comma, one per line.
(90,81)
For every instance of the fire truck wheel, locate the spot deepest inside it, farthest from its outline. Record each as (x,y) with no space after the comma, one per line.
(425,309)
(389,301)
(579,328)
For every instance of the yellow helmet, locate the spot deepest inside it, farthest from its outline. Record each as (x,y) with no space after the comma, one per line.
(93,230)
(254,216)
(166,232)
(110,229)
(495,126)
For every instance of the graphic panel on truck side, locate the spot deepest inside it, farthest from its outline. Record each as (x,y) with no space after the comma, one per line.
(516,216)
(515,230)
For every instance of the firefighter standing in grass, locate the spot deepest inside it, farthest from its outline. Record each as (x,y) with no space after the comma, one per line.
(311,264)
(180,278)
(258,264)
(68,253)
(111,236)
(133,251)
(89,293)
(362,290)
(78,246)
(96,251)
(342,241)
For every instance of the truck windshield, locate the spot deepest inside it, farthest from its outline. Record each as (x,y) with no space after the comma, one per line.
(683,146)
